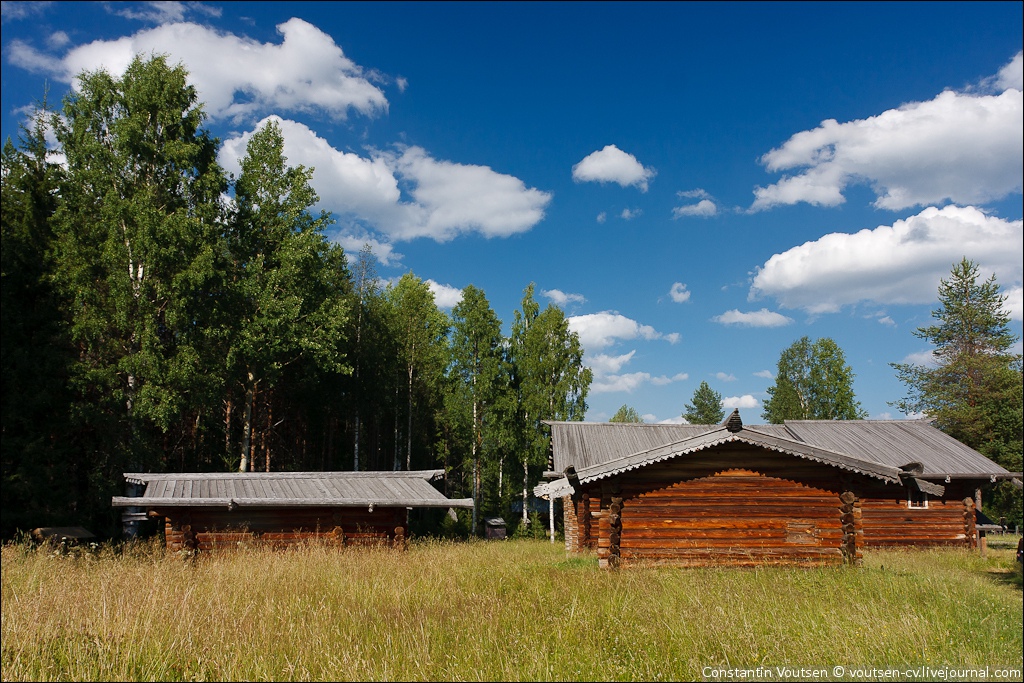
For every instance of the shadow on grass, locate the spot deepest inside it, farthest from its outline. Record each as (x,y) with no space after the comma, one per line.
(1008,576)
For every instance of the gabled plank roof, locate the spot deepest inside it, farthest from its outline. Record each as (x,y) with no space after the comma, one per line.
(290,489)
(893,451)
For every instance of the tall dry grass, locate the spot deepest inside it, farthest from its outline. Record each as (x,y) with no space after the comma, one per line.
(513,610)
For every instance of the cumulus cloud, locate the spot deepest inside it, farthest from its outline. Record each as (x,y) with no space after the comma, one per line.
(601,330)
(602,217)
(679,293)
(767,374)
(602,364)
(725,377)
(897,264)
(964,147)
(353,242)
(442,199)
(560,298)
(704,208)
(612,165)
(762,318)
(619,383)
(445,296)
(11,10)
(306,72)
(629,214)
(745,401)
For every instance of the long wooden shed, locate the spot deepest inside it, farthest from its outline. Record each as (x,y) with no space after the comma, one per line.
(803,493)
(206,511)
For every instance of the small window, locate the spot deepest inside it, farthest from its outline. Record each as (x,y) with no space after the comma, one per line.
(917,499)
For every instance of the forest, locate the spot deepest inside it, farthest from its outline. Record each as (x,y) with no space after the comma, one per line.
(161,315)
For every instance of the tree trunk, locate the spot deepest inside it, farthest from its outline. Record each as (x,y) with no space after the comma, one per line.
(250,392)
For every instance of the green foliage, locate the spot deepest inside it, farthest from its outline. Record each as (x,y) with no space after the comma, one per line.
(287,282)
(549,380)
(813,382)
(975,390)
(627,413)
(36,353)
(706,408)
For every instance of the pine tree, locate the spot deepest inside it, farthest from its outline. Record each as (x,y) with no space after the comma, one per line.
(974,390)
(706,408)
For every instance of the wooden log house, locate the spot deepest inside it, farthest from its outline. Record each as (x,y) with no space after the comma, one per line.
(804,493)
(210,511)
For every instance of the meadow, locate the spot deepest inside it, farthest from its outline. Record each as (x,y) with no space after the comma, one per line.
(510,610)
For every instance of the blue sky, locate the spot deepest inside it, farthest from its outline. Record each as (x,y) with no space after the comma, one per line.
(697,185)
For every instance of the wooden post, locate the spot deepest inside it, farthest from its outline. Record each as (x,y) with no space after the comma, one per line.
(615,531)
(849,509)
(970,530)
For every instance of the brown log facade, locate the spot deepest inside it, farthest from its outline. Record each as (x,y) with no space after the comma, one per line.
(747,498)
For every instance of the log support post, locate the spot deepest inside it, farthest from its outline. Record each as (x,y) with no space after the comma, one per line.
(970,530)
(614,531)
(850,517)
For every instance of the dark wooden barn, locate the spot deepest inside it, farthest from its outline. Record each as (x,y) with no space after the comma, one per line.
(802,493)
(221,510)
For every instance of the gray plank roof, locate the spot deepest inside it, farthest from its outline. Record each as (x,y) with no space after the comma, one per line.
(875,448)
(294,489)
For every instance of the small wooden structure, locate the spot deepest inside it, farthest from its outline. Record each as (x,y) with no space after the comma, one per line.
(208,511)
(804,493)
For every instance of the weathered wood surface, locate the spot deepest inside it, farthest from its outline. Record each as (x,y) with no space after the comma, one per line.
(207,529)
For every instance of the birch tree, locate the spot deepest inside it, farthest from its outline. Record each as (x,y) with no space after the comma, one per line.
(288,283)
(812,382)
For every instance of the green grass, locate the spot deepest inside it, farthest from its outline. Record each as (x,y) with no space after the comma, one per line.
(512,610)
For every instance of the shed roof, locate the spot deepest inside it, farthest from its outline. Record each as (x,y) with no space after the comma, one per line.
(290,489)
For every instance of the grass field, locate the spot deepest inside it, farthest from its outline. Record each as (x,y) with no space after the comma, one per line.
(502,610)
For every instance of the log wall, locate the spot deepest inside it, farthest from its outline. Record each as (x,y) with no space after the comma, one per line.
(207,529)
(743,505)
(889,521)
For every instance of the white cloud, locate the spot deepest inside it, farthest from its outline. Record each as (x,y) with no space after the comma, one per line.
(352,242)
(306,72)
(445,199)
(705,208)
(602,217)
(725,377)
(662,380)
(600,330)
(745,401)
(630,214)
(887,321)
(602,364)
(445,296)
(453,198)
(612,165)
(767,374)
(923,358)
(617,383)
(963,147)
(762,318)
(162,12)
(1014,302)
(898,264)
(679,293)
(57,40)
(560,298)
(13,10)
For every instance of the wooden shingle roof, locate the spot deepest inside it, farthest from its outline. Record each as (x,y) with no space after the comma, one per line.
(290,489)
